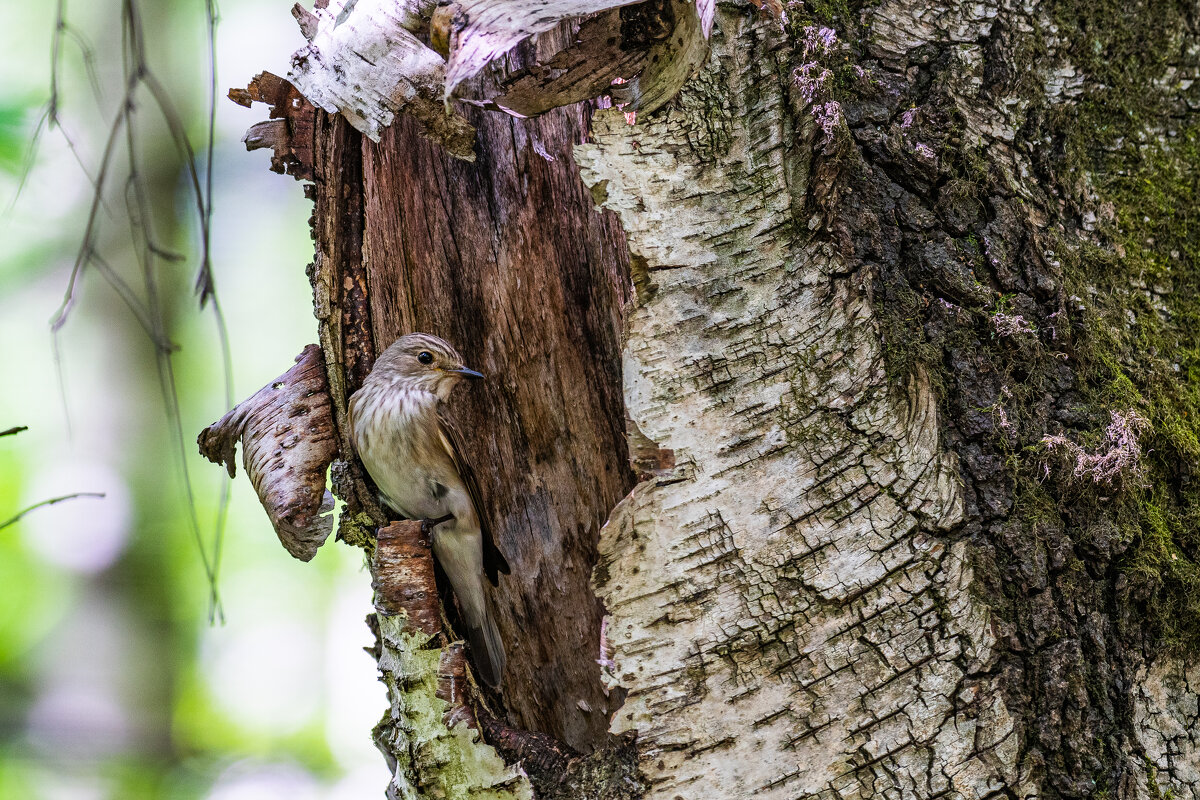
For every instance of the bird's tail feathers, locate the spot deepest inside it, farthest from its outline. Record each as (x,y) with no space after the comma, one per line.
(486,648)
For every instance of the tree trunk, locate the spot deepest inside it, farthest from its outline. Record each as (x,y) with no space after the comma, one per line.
(907,323)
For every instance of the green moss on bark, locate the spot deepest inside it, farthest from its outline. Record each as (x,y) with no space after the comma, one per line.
(1117,318)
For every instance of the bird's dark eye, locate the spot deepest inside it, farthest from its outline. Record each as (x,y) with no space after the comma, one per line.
(425,357)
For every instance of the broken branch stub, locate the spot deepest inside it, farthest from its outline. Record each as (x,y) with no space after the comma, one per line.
(651,47)
(286,430)
(429,715)
(368,61)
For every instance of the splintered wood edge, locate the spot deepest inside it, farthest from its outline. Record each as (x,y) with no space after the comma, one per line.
(286,431)
(289,131)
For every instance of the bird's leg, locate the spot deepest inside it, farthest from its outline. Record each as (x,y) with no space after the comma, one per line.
(427,525)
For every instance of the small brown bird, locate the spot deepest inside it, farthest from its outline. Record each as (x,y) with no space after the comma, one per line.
(414,454)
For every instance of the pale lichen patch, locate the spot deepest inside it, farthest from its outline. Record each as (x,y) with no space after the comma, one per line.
(807,629)
(446,762)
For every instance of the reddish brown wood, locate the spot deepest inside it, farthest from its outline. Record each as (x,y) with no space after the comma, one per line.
(454,687)
(510,261)
(402,569)
(290,130)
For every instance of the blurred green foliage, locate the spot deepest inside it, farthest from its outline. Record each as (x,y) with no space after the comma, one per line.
(112,682)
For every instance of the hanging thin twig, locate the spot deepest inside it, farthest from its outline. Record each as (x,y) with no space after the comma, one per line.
(14,520)
(143,296)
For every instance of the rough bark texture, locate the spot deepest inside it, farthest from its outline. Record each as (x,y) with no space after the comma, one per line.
(856,364)
(805,629)
(509,260)
(854,594)
(286,431)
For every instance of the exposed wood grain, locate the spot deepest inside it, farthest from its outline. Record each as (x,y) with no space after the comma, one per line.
(509,260)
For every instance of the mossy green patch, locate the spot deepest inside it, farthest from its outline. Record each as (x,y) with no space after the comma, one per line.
(1139,348)
(437,761)
(1123,158)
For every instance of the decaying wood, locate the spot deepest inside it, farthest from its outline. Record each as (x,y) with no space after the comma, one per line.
(650,48)
(402,576)
(491,28)
(339,279)
(558,773)
(288,132)
(286,431)
(316,146)
(429,721)
(457,250)
(509,260)
(582,70)
(637,55)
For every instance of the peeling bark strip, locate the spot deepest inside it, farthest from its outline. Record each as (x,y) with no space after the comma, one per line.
(363,62)
(286,430)
(402,575)
(783,612)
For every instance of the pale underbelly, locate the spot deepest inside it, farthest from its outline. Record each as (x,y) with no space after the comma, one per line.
(415,494)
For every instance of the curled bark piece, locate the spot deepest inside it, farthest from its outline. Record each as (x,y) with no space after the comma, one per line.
(363,62)
(653,47)
(671,60)
(286,430)
(493,27)
(605,47)
(288,132)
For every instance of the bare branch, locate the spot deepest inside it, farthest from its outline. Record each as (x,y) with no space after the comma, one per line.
(50,502)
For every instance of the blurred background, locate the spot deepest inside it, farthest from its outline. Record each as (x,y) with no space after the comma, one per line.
(113,683)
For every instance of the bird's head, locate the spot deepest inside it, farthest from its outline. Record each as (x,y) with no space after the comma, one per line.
(423,361)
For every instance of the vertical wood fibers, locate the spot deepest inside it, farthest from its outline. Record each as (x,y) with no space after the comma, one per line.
(509,260)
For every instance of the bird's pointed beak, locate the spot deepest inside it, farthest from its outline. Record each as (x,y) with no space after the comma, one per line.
(466,373)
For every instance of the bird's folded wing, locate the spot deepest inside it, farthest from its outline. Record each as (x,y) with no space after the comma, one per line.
(493,560)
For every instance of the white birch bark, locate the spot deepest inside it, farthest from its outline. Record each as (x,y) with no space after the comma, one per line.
(784,616)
